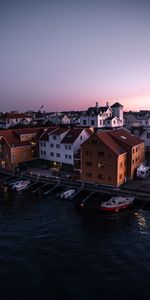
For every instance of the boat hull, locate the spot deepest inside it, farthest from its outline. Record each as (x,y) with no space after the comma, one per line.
(115,209)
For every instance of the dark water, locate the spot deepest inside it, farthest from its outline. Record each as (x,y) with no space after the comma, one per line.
(48,250)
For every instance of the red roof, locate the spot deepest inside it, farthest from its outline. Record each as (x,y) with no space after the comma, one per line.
(110,142)
(125,137)
(12,137)
(14,116)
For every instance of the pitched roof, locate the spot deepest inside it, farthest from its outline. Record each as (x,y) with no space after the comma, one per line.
(110,142)
(61,130)
(117,104)
(96,110)
(45,135)
(12,137)
(72,135)
(125,137)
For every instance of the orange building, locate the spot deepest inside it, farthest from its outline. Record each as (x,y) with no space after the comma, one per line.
(17,146)
(111,157)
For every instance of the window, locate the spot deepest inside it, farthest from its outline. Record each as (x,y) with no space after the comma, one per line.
(41,144)
(52,153)
(44,144)
(90,153)
(81,137)
(51,145)
(133,161)
(100,153)
(66,156)
(44,152)
(148,135)
(89,174)
(109,178)
(84,122)
(133,151)
(57,154)
(100,176)
(92,122)
(57,146)
(54,137)
(89,163)
(70,157)
(41,152)
(69,147)
(114,122)
(66,147)
(100,165)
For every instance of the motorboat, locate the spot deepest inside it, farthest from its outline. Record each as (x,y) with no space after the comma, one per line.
(116,204)
(67,194)
(20,185)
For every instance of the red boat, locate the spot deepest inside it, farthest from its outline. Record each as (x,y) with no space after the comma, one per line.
(116,204)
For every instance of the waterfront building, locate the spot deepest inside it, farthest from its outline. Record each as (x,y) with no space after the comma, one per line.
(18,146)
(111,157)
(58,145)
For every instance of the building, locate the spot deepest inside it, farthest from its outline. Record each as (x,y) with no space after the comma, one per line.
(58,145)
(18,146)
(103,116)
(111,157)
(8,120)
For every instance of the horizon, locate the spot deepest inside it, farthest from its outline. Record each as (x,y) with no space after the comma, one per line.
(68,55)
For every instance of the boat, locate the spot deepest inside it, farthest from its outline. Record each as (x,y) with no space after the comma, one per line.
(67,194)
(20,185)
(116,204)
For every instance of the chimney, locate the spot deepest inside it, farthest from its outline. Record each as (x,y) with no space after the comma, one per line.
(97,105)
(107,104)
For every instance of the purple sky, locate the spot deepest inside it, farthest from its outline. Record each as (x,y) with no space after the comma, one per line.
(66,55)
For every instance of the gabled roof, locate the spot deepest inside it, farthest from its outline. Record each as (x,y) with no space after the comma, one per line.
(117,104)
(110,142)
(72,135)
(96,110)
(45,135)
(125,137)
(60,130)
(12,137)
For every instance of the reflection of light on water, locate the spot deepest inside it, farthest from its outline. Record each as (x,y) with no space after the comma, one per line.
(141,219)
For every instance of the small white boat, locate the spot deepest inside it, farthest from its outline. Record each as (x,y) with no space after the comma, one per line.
(20,185)
(116,204)
(67,194)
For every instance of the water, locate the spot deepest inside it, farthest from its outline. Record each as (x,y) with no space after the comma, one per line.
(48,250)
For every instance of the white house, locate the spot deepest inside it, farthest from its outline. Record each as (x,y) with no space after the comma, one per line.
(49,143)
(97,116)
(58,144)
(71,144)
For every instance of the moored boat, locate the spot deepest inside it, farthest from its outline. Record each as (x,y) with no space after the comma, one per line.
(67,194)
(116,204)
(20,185)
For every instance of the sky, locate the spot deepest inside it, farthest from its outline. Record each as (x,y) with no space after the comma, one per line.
(67,55)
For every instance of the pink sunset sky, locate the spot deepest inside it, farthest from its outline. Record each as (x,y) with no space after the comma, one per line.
(66,55)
